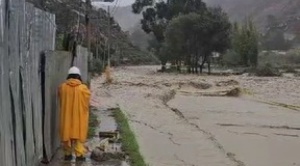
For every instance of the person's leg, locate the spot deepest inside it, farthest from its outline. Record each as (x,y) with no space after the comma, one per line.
(67,150)
(80,151)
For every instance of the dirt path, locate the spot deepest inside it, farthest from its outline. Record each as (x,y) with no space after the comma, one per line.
(176,124)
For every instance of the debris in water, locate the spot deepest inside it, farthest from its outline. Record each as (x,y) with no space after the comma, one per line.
(235,92)
(227,83)
(167,96)
(200,85)
(108,75)
(104,144)
(107,145)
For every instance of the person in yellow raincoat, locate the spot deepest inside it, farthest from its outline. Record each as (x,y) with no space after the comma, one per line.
(74,114)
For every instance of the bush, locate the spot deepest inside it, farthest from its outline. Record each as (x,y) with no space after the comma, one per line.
(293,56)
(231,59)
(96,66)
(297,74)
(280,59)
(290,69)
(267,70)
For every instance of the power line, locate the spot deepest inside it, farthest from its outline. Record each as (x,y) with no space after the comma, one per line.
(116,6)
(108,53)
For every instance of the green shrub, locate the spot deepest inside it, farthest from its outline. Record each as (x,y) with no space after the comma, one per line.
(96,66)
(290,69)
(293,56)
(267,70)
(231,59)
(280,59)
(297,74)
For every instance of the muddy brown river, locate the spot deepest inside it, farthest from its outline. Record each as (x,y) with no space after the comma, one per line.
(187,120)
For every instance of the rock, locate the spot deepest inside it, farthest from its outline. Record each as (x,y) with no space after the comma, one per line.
(113,156)
(97,154)
(104,144)
(234,92)
(100,155)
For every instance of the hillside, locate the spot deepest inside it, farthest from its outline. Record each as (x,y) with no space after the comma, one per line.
(67,18)
(127,20)
(269,16)
(237,10)
(131,22)
(259,10)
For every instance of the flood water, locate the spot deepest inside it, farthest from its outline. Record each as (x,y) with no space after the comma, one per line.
(258,128)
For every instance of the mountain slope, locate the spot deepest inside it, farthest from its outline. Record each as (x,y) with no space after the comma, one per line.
(66,20)
(259,10)
(127,20)
(131,22)
(266,14)
(237,10)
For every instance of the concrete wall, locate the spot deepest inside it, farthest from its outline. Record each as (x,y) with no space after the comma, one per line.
(30,72)
(56,65)
(24,33)
(81,61)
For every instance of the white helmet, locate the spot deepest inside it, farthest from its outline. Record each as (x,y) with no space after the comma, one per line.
(74,70)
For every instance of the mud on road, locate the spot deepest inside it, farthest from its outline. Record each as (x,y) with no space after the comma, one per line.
(189,120)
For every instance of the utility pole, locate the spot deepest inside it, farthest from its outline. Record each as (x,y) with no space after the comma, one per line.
(88,27)
(107,70)
(108,43)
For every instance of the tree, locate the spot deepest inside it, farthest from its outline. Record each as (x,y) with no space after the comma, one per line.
(245,43)
(194,37)
(253,44)
(157,16)
(156,48)
(219,37)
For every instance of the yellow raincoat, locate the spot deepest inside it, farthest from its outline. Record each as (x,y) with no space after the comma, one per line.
(74,114)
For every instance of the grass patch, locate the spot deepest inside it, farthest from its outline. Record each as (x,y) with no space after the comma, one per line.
(93,123)
(129,142)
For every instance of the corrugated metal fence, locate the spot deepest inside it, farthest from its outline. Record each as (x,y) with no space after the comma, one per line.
(29,75)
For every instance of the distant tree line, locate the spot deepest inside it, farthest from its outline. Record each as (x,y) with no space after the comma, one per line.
(188,31)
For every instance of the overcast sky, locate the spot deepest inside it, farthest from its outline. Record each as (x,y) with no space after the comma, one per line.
(120,3)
